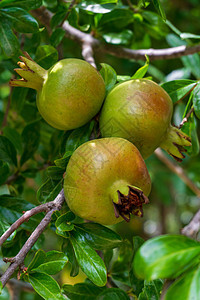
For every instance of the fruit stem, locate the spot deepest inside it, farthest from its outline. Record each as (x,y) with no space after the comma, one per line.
(127,200)
(174,142)
(32,74)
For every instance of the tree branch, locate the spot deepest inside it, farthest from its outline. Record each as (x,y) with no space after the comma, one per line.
(193,227)
(24,218)
(175,168)
(19,258)
(87,53)
(78,36)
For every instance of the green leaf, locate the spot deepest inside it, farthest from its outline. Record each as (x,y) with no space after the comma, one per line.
(196,100)
(151,290)
(45,286)
(18,98)
(64,234)
(98,236)
(122,78)
(68,249)
(109,76)
(57,37)
(38,259)
(141,71)
(78,137)
(4,171)
(117,18)
(192,62)
(190,128)
(81,291)
(137,243)
(3,226)
(89,261)
(166,256)
(63,223)
(21,21)
(62,162)
(119,38)
(14,137)
(7,151)
(4,293)
(55,173)
(49,190)
(159,8)
(4,190)
(25,4)
(186,287)
(178,89)
(113,294)
(53,263)
(8,41)
(154,25)
(30,138)
(46,56)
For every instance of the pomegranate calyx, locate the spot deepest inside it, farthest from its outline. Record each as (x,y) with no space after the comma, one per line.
(32,75)
(174,143)
(130,204)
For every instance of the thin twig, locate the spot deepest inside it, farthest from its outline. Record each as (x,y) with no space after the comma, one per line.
(154,54)
(175,168)
(19,258)
(186,117)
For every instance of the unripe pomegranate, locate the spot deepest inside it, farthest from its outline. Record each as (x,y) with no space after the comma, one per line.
(107,180)
(69,94)
(140,111)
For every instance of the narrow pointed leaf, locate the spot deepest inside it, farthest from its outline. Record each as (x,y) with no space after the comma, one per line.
(45,286)
(109,76)
(178,89)
(89,261)
(140,73)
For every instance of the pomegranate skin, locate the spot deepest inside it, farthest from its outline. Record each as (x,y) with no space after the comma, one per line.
(96,172)
(140,111)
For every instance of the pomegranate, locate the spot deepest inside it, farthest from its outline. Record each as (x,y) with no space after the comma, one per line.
(107,180)
(69,94)
(140,111)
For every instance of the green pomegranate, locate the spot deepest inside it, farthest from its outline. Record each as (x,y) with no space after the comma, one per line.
(69,94)
(140,111)
(107,180)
